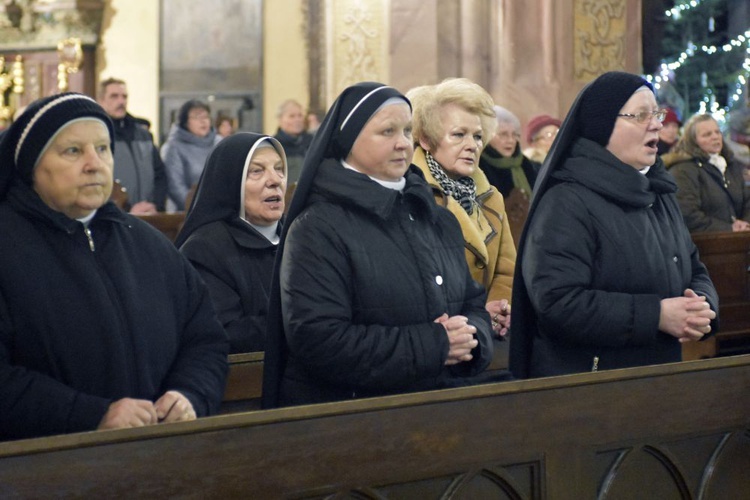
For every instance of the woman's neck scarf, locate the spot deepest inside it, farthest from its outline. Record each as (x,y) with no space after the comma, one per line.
(514,164)
(463,189)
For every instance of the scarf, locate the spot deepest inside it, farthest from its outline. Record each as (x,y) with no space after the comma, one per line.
(719,162)
(463,189)
(512,163)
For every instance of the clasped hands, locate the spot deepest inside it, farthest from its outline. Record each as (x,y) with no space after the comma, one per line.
(686,318)
(500,313)
(460,336)
(129,412)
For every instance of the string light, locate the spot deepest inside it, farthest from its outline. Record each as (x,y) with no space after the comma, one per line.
(677,10)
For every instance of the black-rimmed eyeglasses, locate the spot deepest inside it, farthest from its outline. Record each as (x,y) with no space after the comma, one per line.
(646,116)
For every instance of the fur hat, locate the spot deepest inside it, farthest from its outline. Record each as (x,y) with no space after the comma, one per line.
(28,137)
(536,124)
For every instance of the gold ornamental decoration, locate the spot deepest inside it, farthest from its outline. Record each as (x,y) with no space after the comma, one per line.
(70,55)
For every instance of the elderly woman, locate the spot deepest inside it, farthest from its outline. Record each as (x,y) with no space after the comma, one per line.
(103,324)
(712,191)
(607,276)
(452,122)
(190,142)
(373,296)
(540,132)
(292,135)
(502,162)
(232,231)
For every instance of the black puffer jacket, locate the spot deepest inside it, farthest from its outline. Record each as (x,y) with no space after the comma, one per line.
(605,246)
(365,273)
(89,319)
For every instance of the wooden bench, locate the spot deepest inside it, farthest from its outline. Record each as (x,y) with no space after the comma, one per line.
(727,257)
(245,381)
(670,431)
(168,223)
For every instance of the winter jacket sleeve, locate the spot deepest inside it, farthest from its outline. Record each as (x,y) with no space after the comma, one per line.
(502,282)
(687,176)
(558,272)
(33,404)
(474,310)
(177,174)
(316,281)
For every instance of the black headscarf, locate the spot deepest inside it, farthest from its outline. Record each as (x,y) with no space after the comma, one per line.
(334,140)
(592,115)
(219,192)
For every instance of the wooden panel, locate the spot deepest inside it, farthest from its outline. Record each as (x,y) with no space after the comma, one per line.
(168,223)
(727,257)
(670,431)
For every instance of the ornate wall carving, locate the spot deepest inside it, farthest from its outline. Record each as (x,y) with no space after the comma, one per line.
(41,24)
(600,29)
(357,43)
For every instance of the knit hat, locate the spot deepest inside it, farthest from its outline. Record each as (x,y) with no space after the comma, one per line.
(602,100)
(671,117)
(28,137)
(536,124)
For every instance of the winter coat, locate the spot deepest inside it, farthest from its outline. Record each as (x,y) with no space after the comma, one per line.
(365,272)
(605,246)
(488,243)
(184,155)
(237,263)
(295,148)
(502,179)
(138,166)
(92,315)
(709,200)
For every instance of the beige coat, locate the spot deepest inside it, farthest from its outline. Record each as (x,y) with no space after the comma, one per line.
(488,243)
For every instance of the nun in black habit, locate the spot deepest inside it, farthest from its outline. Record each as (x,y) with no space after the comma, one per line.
(372,295)
(232,231)
(610,277)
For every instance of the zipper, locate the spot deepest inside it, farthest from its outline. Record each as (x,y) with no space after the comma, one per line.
(90,238)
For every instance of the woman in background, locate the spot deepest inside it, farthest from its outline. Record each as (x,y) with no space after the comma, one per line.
(712,191)
(185,151)
(452,121)
(232,231)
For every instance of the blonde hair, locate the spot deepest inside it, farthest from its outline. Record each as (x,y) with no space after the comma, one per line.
(688,143)
(428,100)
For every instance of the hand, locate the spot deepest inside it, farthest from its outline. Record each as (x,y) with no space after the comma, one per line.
(740,225)
(174,407)
(128,412)
(500,313)
(686,318)
(143,208)
(460,337)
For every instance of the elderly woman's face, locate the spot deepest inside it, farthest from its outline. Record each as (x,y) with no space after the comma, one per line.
(461,143)
(384,148)
(292,120)
(708,137)
(634,143)
(265,187)
(74,175)
(199,122)
(544,138)
(505,139)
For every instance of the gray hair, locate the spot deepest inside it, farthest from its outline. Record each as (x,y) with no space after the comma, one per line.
(506,116)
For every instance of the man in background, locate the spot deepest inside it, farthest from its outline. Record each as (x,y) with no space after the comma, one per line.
(138,166)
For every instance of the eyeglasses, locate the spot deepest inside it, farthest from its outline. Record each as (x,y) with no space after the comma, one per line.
(508,135)
(646,116)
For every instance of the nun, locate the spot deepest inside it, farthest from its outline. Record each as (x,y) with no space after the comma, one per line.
(232,231)
(372,295)
(607,275)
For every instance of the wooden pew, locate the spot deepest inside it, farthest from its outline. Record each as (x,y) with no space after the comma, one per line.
(669,431)
(727,257)
(168,223)
(245,380)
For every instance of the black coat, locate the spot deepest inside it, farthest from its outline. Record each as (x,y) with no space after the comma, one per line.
(237,263)
(87,319)
(601,252)
(502,179)
(365,272)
